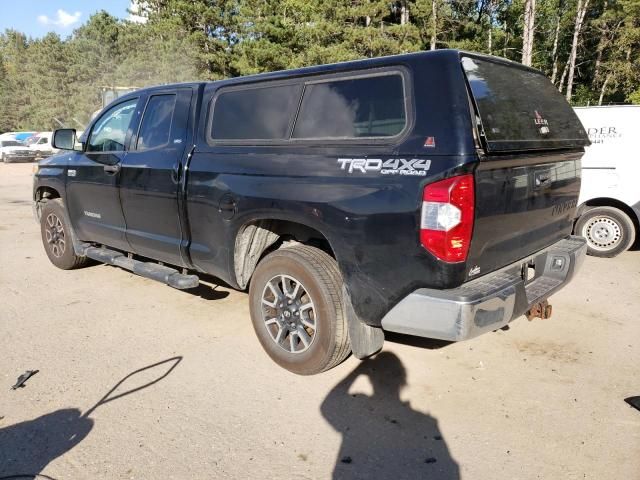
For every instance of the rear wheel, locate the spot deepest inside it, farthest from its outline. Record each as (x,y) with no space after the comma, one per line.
(297,310)
(56,236)
(608,230)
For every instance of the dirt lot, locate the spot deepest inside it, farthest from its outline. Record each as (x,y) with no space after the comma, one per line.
(541,400)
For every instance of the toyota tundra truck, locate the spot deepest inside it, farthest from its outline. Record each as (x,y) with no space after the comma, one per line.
(431,194)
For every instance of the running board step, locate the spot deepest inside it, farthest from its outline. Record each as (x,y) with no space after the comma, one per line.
(153,271)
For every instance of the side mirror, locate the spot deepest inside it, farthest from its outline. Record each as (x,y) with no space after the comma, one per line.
(64,139)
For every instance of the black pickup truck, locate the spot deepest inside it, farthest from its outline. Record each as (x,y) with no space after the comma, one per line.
(431,194)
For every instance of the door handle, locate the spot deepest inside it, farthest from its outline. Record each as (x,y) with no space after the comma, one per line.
(112,169)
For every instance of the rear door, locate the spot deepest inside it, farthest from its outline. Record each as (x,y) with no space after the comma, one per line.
(151,175)
(528,180)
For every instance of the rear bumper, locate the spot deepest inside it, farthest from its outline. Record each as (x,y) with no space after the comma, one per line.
(489,302)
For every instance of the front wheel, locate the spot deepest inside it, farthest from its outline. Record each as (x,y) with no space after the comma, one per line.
(56,236)
(608,230)
(297,309)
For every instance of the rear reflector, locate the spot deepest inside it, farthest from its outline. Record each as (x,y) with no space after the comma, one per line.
(447,218)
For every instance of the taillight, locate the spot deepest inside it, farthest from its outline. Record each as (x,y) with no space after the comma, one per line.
(447,218)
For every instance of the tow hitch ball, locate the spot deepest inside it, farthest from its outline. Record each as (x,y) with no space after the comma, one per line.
(539,310)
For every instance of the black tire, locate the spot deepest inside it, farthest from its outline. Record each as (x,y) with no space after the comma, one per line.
(57,236)
(608,230)
(319,278)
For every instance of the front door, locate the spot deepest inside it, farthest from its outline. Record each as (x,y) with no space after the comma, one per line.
(151,175)
(92,178)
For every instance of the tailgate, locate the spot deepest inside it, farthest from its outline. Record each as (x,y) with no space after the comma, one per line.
(523,204)
(527,184)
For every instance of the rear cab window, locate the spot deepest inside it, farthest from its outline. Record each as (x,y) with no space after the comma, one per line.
(520,109)
(345,107)
(155,127)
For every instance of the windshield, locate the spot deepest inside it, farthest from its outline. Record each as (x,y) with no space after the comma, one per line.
(521,109)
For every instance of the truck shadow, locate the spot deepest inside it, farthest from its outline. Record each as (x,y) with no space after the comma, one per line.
(208,288)
(412,341)
(208,292)
(27,448)
(382,436)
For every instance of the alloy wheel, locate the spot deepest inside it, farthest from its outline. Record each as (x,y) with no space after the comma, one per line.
(54,233)
(289,314)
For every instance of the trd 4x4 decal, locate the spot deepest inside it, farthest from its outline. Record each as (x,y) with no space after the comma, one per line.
(392,166)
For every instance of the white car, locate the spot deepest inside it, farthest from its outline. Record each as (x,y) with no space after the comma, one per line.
(609,203)
(14,151)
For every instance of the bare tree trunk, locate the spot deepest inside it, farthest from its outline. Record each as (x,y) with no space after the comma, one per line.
(580,14)
(490,11)
(596,69)
(528,31)
(434,23)
(404,13)
(506,40)
(490,41)
(604,87)
(554,53)
(564,75)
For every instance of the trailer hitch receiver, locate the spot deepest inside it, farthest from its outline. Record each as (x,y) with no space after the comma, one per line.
(539,310)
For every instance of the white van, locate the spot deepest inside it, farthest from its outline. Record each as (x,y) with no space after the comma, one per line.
(40,144)
(609,203)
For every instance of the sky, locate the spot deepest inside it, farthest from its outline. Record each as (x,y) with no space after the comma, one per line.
(37,17)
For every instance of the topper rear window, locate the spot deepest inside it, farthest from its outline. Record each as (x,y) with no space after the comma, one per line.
(521,109)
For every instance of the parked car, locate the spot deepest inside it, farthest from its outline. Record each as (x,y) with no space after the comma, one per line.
(40,144)
(609,203)
(14,151)
(431,194)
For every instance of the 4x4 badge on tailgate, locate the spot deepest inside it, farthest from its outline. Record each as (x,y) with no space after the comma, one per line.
(392,166)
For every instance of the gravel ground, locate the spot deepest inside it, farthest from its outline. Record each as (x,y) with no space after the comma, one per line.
(140,381)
